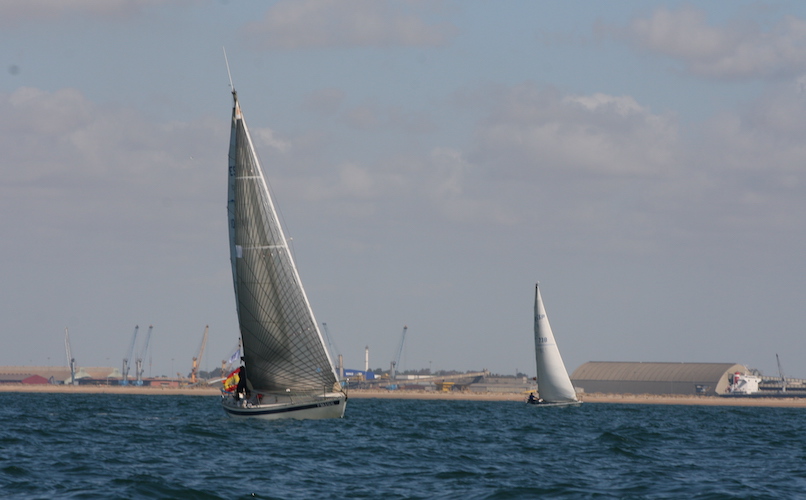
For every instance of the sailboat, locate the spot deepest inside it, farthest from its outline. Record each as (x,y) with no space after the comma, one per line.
(553,383)
(287,371)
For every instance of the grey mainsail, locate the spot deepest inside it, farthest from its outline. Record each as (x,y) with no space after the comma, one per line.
(283,349)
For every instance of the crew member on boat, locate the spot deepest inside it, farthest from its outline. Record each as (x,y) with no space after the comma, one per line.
(241,391)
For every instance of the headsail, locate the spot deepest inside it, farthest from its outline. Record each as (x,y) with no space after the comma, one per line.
(282,346)
(553,382)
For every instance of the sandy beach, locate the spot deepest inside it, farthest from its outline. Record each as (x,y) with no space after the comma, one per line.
(399,394)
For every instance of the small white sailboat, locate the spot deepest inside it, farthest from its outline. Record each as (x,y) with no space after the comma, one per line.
(287,371)
(553,383)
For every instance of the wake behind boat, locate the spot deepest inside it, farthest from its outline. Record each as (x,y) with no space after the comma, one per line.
(553,383)
(287,371)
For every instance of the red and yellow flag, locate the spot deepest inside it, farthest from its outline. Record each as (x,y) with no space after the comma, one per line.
(231,382)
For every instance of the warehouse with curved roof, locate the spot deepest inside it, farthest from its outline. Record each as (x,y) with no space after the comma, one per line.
(706,379)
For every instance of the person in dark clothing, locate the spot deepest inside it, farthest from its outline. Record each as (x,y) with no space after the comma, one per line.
(240,390)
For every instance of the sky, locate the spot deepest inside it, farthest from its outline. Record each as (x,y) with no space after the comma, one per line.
(432,160)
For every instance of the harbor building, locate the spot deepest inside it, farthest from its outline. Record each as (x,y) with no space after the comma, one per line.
(704,379)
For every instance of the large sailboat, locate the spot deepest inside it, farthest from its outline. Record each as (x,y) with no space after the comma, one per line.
(286,370)
(553,383)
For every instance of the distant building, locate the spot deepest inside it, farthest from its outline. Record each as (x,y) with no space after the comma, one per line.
(359,374)
(55,374)
(520,385)
(706,379)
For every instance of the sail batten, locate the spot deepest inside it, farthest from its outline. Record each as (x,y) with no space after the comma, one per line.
(282,345)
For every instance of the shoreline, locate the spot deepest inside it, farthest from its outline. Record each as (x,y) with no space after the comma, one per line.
(424,395)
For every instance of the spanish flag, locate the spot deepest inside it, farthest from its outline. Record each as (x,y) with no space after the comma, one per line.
(231,382)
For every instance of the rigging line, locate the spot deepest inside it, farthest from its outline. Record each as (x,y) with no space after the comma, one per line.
(272,195)
(289,240)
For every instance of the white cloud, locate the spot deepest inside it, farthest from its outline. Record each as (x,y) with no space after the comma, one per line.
(755,163)
(450,184)
(13,12)
(737,50)
(294,24)
(109,167)
(267,137)
(532,132)
(603,172)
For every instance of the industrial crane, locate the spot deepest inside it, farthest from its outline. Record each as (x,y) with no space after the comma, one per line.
(139,362)
(124,380)
(194,372)
(781,373)
(332,347)
(392,372)
(71,361)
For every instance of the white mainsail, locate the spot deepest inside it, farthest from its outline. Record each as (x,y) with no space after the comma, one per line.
(283,349)
(553,383)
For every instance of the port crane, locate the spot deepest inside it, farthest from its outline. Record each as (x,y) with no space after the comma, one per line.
(781,373)
(71,361)
(396,360)
(124,380)
(139,361)
(194,372)
(332,347)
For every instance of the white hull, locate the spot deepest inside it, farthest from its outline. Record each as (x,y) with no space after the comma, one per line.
(563,403)
(327,406)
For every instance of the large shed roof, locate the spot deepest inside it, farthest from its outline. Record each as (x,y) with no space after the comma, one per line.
(654,372)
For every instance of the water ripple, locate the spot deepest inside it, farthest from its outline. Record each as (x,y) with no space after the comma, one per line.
(132,446)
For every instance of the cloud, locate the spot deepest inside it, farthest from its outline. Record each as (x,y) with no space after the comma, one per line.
(755,158)
(604,172)
(109,170)
(301,24)
(531,132)
(738,50)
(13,12)
(267,137)
(324,101)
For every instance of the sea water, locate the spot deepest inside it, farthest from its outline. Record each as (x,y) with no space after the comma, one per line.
(138,446)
